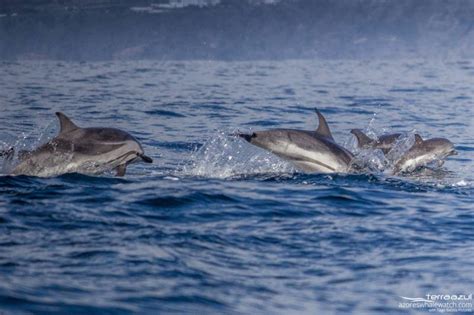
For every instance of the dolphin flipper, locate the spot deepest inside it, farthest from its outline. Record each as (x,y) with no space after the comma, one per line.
(121,170)
(362,139)
(323,128)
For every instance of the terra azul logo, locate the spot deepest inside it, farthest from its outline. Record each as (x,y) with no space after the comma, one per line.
(439,302)
(440,297)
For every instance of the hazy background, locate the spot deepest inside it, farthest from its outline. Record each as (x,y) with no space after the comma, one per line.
(235,29)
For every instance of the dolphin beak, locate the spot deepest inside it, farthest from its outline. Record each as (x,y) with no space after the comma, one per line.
(454,152)
(247,137)
(145,158)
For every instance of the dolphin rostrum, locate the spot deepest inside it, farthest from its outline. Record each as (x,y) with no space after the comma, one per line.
(81,150)
(311,151)
(384,142)
(423,152)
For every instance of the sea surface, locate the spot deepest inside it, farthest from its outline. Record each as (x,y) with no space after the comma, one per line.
(217,226)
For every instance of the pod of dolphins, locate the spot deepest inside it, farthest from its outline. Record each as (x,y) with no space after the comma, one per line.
(96,150)
(317,151)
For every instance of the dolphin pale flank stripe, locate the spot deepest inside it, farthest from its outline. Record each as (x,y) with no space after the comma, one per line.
(81,150)
(311,151)
(303,161)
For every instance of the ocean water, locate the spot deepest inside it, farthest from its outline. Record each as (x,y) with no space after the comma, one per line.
(216,226)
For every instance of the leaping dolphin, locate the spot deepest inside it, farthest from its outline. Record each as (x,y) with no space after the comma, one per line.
(81,150)
(310,151)
(423,152)
(384,142)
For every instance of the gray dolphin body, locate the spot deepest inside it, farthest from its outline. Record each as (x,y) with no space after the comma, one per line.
(384,142)
(310,151)
(81,150)
(423,152)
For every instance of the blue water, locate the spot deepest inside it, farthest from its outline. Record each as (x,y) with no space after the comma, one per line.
(218,226)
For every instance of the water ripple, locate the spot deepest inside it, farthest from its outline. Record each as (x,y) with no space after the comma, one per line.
(216,225)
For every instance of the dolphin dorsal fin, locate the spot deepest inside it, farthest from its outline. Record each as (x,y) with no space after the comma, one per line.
(418,139)
(323,128)
(362,139)
(65,123)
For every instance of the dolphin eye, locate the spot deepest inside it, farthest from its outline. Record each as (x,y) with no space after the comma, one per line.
(254,135)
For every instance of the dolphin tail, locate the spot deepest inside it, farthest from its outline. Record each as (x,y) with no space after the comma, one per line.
(145,158)
(362,139)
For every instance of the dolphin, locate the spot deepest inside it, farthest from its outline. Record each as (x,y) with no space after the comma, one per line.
(81,150)
(310,151)
(384,142)
(423,152)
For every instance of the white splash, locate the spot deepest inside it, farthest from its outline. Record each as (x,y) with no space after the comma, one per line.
(374,160)
(225,155)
